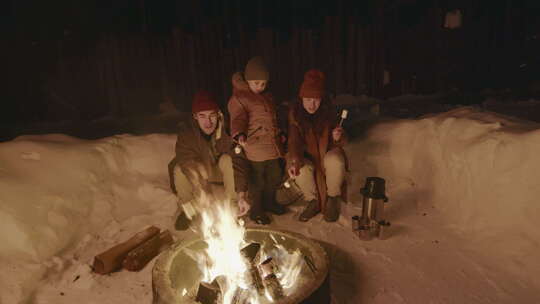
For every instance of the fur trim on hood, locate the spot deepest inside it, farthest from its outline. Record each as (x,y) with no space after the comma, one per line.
(239,83)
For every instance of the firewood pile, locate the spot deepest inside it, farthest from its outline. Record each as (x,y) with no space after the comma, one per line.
(134,253)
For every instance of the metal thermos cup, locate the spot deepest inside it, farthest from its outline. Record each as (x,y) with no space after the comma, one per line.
(372,222)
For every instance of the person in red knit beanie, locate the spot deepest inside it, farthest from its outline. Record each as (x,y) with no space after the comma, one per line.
(203,159)
(316,159)
(205,111)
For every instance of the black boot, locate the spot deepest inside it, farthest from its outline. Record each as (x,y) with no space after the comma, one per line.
(310,211)
(270,204)
(259,217)
(331,212)
(182,222)
(256,213)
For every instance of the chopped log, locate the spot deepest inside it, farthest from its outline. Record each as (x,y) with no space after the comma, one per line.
(111,260)
(270,281)
(145,252)
(208,293)
(250,253)
(273,287)
(240,296)
(165,240)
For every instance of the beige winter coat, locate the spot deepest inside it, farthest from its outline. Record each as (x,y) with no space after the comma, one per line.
(255,116)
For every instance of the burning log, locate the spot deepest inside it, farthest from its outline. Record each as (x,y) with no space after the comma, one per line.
(274,289)
(112,259)
(250,253)
(144,253)
(208,293)
(240,296)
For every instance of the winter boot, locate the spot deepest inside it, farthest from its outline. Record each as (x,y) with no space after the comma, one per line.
(259,217)
(310,211)
(256,213)
(182,222)
(331,212)
(270,204)
(276,208)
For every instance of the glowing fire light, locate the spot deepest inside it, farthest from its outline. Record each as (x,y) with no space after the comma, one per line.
(222,260)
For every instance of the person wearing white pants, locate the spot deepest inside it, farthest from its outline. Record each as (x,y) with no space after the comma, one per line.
(315,157)
(203,160)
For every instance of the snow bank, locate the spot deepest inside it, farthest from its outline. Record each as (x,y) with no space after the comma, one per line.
(480,170)
(474,174)
(56,188)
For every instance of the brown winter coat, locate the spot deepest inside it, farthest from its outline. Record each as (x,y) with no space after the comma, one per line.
(310,136)
(193,150)
(255,113)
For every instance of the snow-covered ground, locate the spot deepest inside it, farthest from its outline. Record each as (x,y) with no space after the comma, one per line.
(463,189)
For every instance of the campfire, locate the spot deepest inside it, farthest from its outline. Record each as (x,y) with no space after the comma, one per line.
(234,264)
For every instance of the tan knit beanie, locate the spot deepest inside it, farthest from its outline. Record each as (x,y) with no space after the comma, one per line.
(256,69)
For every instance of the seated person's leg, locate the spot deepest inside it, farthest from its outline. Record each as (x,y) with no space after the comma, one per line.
(184,188)
(334,166)
(226,167)
(306,182)
(184,193)
(256,189)
(273,178)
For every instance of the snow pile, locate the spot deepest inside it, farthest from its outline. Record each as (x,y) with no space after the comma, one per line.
(462,188)
(480,170)
(55,189)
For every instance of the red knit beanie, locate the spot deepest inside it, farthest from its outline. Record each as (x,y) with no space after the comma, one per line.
(313,84)
(203,101)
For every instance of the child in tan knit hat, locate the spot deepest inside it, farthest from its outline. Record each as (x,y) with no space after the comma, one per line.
(254,126)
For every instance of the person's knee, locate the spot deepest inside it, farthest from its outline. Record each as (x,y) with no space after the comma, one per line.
(225,162)
(307,169)
(183,185)
(178,175)
(334,160)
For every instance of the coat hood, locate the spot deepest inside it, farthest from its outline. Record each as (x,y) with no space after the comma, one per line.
(239,83)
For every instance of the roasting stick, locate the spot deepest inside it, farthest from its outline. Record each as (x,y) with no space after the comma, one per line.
(344,114)
(287,184)
(238,148)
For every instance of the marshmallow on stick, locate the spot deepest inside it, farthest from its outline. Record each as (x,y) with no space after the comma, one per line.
(344,114)
(238,148)
(287,184)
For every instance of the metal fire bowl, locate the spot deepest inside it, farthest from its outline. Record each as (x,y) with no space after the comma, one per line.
(175,271)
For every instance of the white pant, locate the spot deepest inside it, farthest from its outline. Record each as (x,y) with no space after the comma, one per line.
(186,192)
(334,168)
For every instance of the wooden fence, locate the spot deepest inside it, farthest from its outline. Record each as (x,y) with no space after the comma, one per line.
(131,74)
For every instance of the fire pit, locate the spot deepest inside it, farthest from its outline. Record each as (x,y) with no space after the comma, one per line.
(177,274)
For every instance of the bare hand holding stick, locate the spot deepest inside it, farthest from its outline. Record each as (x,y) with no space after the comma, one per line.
(242,140)
(243,205)
(337,132)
